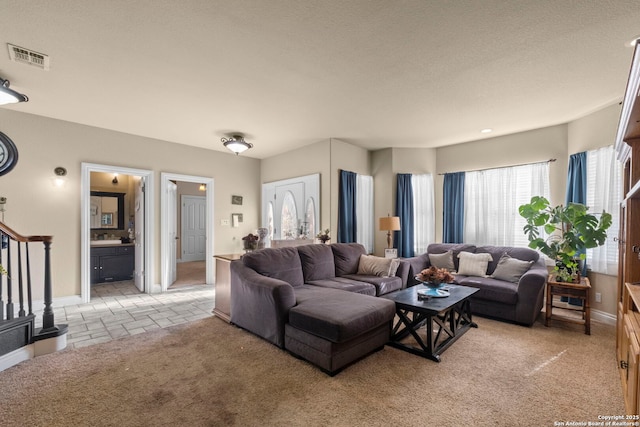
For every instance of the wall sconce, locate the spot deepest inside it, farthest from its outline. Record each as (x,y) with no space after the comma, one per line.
(389,224)
(60,180)
(203,187)
(115,178)
(236,143)
(10,96)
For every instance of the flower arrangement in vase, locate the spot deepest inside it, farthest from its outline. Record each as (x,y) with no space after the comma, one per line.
(323,236)
(434,277)
(250,241)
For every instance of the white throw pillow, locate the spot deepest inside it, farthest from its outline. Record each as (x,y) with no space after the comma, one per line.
(511,269)
(393,267)
(374,265)
(444,260)
(473,264)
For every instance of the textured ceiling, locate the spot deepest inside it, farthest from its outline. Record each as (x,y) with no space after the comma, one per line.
(289,73)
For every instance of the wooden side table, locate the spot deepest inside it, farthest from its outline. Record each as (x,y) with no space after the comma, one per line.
(222,307)
(573,290)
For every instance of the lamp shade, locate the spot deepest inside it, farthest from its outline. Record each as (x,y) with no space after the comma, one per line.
(390,223)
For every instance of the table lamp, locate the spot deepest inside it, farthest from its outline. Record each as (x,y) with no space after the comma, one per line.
(389,224)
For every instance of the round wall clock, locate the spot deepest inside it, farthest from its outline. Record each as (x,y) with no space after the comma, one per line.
(8,154)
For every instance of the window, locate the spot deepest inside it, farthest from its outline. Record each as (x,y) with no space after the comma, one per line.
(310,219)
(288,217)
(364,211)
(492,198)
(270,219)
(423,212)
(604,192)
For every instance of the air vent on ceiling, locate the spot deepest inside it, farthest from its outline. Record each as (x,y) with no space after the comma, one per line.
(26,56)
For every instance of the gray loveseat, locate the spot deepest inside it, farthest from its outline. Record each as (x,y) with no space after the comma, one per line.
(509,296)
(312,301)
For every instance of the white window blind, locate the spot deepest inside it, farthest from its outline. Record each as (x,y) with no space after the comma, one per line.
(423,212)
(492,198)
(604,192)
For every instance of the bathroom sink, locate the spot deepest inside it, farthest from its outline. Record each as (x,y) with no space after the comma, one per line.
(105,242)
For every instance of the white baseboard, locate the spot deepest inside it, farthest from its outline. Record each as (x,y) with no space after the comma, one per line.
(38,348)
(17,356)
(603,317)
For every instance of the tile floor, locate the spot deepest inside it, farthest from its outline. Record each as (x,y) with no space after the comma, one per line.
(118,310)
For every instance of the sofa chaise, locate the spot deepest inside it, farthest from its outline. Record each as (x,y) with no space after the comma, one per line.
(511,280)
(319,302)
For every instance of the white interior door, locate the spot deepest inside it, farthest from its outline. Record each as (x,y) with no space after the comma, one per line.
(172,200)
(139,272)
(194,230)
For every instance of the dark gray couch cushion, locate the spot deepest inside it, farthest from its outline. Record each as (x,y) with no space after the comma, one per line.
(496,252)
(346,284)
(279,263)
(338,316)
(456,248)
(383,285)
(346,257)
(317,262)
(491,289)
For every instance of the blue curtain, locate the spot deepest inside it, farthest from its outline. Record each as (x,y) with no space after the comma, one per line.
(403,239)
(577,193)
(453,208)
(347,207)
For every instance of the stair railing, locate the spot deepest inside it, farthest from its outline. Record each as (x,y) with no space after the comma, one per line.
(20,272)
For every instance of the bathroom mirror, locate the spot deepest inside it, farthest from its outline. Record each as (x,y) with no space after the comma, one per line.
(107,210)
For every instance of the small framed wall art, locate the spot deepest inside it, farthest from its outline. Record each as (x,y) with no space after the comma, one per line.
(236,200)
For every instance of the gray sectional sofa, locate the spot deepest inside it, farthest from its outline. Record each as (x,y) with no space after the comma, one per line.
(504,293)
(295,298)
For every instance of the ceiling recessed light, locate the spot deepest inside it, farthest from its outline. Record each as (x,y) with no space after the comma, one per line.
(633,41)
(487,130)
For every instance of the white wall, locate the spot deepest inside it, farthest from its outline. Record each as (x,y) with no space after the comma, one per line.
(36,207)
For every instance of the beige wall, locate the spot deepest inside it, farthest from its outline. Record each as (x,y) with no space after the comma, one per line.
(526,147)
(588,133)
(307,160)
(36,207)
(346,157)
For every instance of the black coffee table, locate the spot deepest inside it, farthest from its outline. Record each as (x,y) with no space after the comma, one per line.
(446,319)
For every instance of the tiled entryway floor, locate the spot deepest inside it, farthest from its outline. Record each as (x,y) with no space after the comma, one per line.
(119,310)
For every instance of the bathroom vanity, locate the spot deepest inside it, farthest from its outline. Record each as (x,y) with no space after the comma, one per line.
(111,263)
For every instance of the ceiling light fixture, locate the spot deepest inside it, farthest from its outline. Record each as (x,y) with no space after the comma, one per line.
(236,143)
(202,187)
(486,130)
(10,96)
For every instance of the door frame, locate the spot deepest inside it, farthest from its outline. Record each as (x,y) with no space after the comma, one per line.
(85,225)
(165,243)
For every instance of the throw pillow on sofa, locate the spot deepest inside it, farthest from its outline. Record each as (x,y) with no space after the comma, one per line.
(377,266)
(444,260)
(511,269)
(474,264)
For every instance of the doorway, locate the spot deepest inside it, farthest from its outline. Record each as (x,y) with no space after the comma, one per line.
(195,246)
(139,213)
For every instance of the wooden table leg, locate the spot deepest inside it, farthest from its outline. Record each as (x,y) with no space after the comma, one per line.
(547,312)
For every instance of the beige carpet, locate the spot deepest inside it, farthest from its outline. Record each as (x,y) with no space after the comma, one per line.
(209,373)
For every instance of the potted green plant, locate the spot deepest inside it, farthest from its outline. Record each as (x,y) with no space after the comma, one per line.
(571,229)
